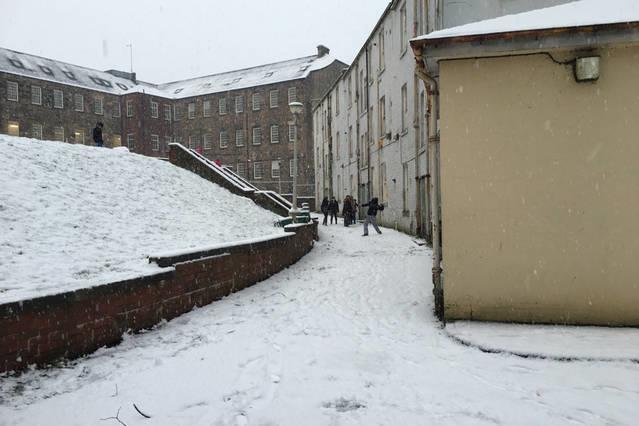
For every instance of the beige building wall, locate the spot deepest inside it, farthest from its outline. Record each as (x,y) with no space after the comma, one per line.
(540,190)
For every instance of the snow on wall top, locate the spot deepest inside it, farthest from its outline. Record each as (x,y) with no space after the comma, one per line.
(23,64)
(27,65)
(575,14)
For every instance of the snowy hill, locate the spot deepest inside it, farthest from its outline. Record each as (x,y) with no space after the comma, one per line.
(73,216)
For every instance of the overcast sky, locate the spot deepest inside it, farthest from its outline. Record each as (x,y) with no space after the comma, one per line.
(177,39)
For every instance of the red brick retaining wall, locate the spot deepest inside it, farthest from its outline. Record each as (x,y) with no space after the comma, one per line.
(68,325)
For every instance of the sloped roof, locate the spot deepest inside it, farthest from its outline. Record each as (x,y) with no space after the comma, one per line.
(583,13)
(27,65)
(19,63)
(257,76)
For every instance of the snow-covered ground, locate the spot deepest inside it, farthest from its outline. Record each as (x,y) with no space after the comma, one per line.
(343,337)
(74,216)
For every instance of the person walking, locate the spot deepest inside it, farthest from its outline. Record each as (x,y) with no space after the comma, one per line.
(324,209)
(333,209)
(371,215)
(97,134)
(347,210)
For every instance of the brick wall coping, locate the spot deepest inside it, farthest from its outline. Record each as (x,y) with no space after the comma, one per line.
(171,258)
(71,297)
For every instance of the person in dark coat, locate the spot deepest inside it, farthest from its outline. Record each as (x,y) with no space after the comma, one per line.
(97,134)
(324,209)
(333,209)
(371,215)
(347,210)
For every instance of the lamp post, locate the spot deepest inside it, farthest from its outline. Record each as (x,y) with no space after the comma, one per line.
(296,109)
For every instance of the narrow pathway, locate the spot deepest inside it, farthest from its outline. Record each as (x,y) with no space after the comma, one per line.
(344,337)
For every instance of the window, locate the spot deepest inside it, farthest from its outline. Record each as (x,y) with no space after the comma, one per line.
(384,182)
(239,104)
(78,101)
(206,108)
(405,187)
(167,112)
(350,90)
(193,142)
(12,91)
(177,112)
(380,45)
(292,94)
(13,129)
(224,139)
(117,111)
(274,98)
(58,133)
(241,169)
(257,135)
(350,141)
(36,131)
(337,135)
(155,113)
(382,117)
(129,109)
(207,141)
(239,137)
(292,132)
(222,106)
(191,110)
(78,136)
(257,101)
(275,169)
(155,142)
(130,141)
(275,133)
(98,106)
(403,30)
(291,167)
(258,170)
(337,99)
(167,142)
(36,95)
(404,108)
(362,92)
(58,98)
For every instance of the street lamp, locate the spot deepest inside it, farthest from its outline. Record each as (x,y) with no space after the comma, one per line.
(296,110)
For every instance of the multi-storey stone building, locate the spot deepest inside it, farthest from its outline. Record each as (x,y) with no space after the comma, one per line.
(240,118)
(370,131)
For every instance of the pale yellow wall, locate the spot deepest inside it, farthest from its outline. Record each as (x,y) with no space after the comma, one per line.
(540,190)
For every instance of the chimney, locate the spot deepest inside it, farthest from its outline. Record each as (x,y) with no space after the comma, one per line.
(322,50)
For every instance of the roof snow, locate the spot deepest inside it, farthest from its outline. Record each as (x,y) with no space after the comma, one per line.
(27,65)
(576,14)
(257,76)
(19,63)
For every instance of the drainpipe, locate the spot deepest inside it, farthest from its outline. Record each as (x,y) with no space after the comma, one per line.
(432,88)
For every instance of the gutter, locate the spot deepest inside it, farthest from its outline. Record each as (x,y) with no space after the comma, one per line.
(432,88)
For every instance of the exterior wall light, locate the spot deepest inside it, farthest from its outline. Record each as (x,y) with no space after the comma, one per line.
(587,69)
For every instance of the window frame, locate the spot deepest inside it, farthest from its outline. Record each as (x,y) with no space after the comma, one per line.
(155,143)
(13,84)
(224,139)
(38,90)
(276,128)
(56,104)
(98,101)
(155,110)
